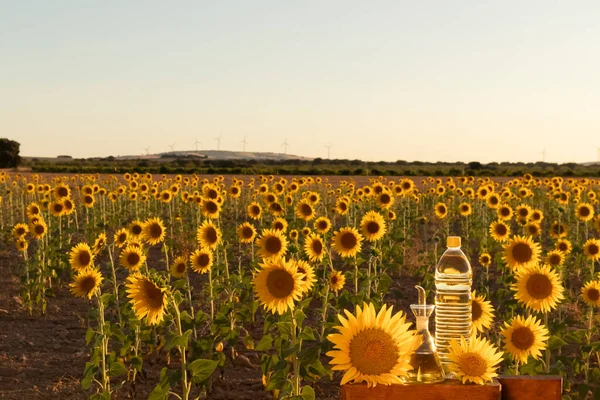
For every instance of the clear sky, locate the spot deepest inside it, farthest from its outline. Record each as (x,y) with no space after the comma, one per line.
(464,80)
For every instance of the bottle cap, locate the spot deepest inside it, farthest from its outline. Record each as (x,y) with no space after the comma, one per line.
(453,241)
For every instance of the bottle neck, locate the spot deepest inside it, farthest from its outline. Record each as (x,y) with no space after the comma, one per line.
(422,323)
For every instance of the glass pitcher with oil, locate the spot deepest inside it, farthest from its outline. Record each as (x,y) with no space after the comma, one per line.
(426,364)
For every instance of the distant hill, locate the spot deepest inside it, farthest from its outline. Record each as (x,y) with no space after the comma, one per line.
(216,155)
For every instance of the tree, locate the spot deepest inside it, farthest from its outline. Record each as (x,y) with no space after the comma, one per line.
(9,153)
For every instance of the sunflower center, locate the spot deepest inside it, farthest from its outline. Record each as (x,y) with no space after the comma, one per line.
(317,247)
(584,212)
(333,280)
(522,252)
(212,194)
(58,207)
(280,283)
(20,231)
(122,238)
(501,229)
(322,225)
(276,207)
(554,259)
(472,364)
(133,259)
(385,198)
(154,296)
(593,294)
(348,240)
(273,245)
(136,229)
(373,227)
(180,268)
(373,352)
(87,284)
(155,231)
(84,258)
(203,260)
(255,210)
(39,229)
(247,232)
(35,210)
(63,192)
(212,207)
(278,226)
(88,199)
(477,311)
(211,235)
(306,209)
(494,201)
(523,338)
(505,212)
(562,246)
(593,249)
(343,206)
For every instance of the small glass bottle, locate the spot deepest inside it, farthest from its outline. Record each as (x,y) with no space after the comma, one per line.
(426,364)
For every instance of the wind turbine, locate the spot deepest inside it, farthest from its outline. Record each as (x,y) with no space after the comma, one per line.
(218,139)
(196,142)
(328,149)
(147,149)
(544,155)
(244,143)
(285,146)
(172,146)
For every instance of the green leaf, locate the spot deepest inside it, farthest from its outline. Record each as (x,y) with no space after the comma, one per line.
(308,393)
(117,369)
(89,335)
(248,342)
(159,393)
(106,298)
(555,342)
(137,362)
(307,333)
(202,369)
(265,343)
(300,317)
(178,340)
(285,328)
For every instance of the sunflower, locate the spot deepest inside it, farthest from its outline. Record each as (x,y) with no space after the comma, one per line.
(147,298)
(61,191)
(523,211)
(342,206)
(584,212)
(254,210)
(385,200)
(246,232)
(136,228)
(56,208)
(121,237)
(210,208)
(86,283)
(505,212)
(278,284)
(337,280)
(38,229)
(537,215)
(179,267)
(201,260)
(482,313)
(525,337)
(475,361)
(533,229)
(372,347)
(347,242)
(88,200)
(391,215)
(99,244)
(153,231)
(555,258)
(22,244)
(33,210)
(20,230)
(591,293)
(271,244)
(485,259)
(538,288)
(293,235)
(208,235)
(280,224)
(564,246)
(591,248)
(314,247)
(309,278)
(81,257)
(521,252)
(558,230)
(499,231)
(322,225)
(132,258)
(373,226)
(305,210)
(441,210)
(465,209)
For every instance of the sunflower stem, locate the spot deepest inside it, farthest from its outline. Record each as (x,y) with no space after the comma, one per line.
(104,344)
(115,284)
(296,361)
(547,349)
(182,351)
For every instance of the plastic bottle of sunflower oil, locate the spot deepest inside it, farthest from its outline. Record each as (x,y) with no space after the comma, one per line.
(453,280)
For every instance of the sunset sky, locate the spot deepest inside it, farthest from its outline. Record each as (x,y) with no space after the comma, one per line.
(469,80)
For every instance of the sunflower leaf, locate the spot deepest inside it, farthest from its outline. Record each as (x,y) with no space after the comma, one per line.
(555,342)
(117,369)
(89,335)
(265,343)
(308,393)
(202,369)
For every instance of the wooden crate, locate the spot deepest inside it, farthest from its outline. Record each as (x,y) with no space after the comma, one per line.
(531,387)
(449,390)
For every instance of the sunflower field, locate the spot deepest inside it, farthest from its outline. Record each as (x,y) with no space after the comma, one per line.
(305,283)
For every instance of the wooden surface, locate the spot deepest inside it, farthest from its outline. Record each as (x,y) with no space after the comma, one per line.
(449,390)
(531,387)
